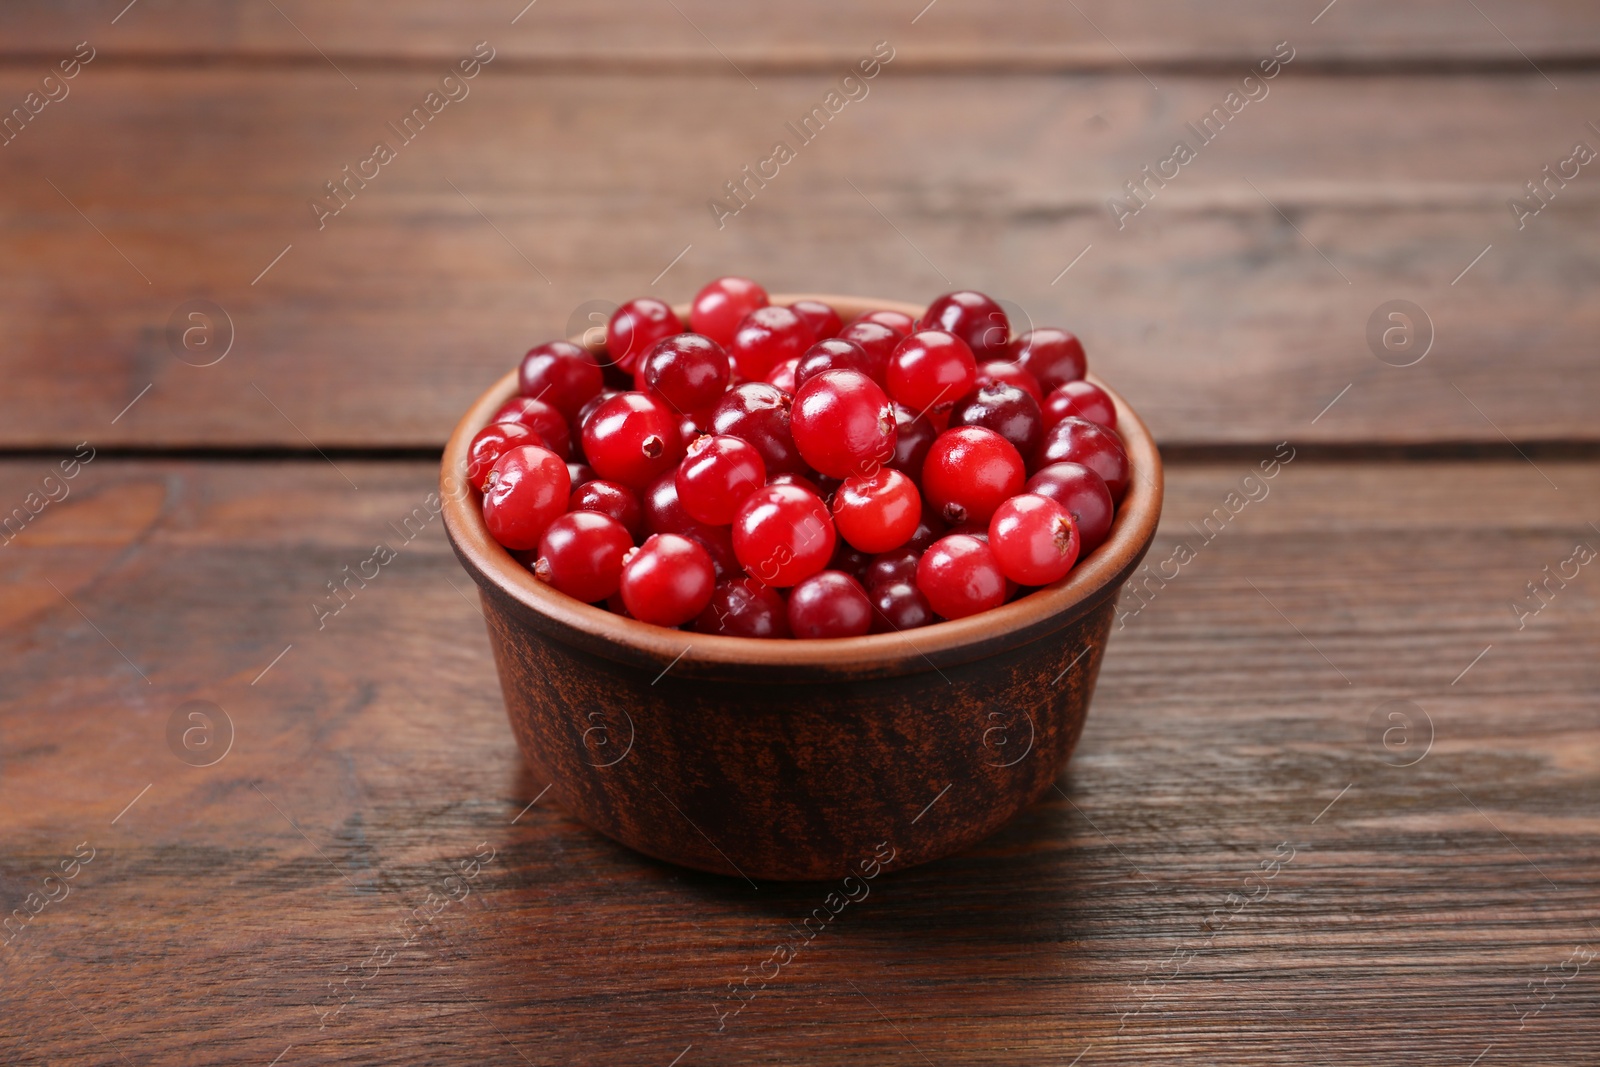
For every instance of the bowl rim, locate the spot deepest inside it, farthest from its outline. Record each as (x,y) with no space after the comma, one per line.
(944,643)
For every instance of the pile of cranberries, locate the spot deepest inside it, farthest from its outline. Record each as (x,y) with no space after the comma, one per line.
(771,471)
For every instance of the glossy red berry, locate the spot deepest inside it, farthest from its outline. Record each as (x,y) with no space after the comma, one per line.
(561,374)
(1034,539)
(877,341)
(1075,440)
(1085,496)
(610,498)
(973,317)
(783,534)
(492,442)
(744,607)
(715,477)
(1005,409)
(823,320)
(970,471)
(631,438)
(664,513)
(913,436)
(878,512)
(720,307)
(1004,370)
(930,370)
(897,606)
(580,473)
(834,353)
(1052,356)
(960,576)
(667,580)
(692,426)
(527,489)
(899,565)
(1085,400)
(759,413)
(636,326)
(581,419)
(690,372)
(829,604)
(783,375)
(542,418)
(898,321)
(849,559)
(842,424)
(581,555)
(768,336)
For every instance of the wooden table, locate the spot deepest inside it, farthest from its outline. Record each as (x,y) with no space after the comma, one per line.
(1336,802)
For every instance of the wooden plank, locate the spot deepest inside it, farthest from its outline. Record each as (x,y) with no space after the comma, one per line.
(225,907)
(703,34)
(1234,308)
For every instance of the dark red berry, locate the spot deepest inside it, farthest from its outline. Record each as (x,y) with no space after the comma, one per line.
(829,604)
(581,555)
(492,442)
(542,418)
(1052,356)
(1083,400)
(930,371)
(715,477)
(877,341)
(888,568)
(797,479)
(692,426)
(527,489)
(667,580)
(582,417)
(610,498)
(636,326)
(878,512)
(913,436)
(973,317)
(783,534)
(852,561)
(929,530)
(580,473)
(898,606)
(832,354)
(842,424)
(823,320)
(1074,440)
(1034,539)
(664,513)
(999,370)
(768,336)
(960,576)
(561,374)
(759,413)
(744,607)
(970,471)
(720,307)
(631,438)
(690,372)
(783,375)
(1005,409)
(898,321)
(1085,496)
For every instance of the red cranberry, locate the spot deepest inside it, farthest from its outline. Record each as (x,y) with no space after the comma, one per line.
(900,565)
(631,438)
(716,476)
(973,317)
(759,413)
(832,354)
(998,370)
(929,530)
(797,479)
(582,417)
(898,321)
(561,374)
(899,606)
(879,512)
(829,604)
(527,489)
(580,474)
(581,555)
(931,370)
(744,607)
(492,442)
(667,580)
(877,341)
(610,498)
(1006,410)
(1085,496)
(664,513)
(1074,440)
(688,371)
(636,326)
(852,561)
(913,436)
(692,426)
(1052,356)
(768,336)
(960,576)
(1034,539)
(783,534)
(970,471)
(783,375)
(720,307)
(823,320)
(842,423)
(543,419)
(1085,400)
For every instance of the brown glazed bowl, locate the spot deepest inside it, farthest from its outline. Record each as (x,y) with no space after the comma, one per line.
(798,759)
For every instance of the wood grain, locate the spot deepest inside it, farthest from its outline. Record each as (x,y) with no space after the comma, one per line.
(1233,308)
(1419,902)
